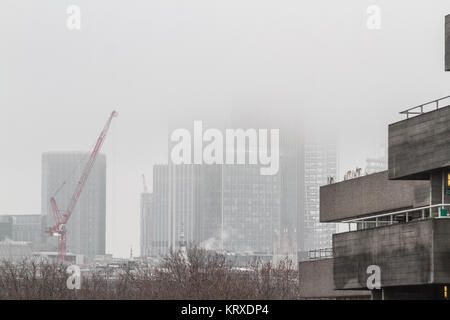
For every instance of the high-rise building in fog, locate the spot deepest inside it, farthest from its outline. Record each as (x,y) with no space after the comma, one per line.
(194,206)
(26,227)
(209,220)
(147,224)
(183,205)
(374,165)
(186,202)
(377,163)
(235,208)
(277,195)
(290,194)
(319,161)
(159,244)
(5,227)
(61,172)
(251,210)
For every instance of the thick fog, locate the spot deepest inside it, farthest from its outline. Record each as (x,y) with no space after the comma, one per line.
(163,63)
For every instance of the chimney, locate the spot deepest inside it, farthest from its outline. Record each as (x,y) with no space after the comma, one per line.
(447,43)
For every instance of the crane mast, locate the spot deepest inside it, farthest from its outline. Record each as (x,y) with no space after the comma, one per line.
(61,219)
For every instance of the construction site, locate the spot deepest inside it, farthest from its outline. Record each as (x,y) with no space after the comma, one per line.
(44,237)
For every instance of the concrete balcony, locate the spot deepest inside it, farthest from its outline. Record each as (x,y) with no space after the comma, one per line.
(408,254)
(370,195)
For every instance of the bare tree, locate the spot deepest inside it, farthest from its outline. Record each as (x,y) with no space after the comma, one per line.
(194,274)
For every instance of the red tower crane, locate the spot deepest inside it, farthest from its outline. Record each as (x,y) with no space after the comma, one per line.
(61,218)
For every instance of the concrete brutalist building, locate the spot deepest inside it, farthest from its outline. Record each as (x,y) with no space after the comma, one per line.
(400,217)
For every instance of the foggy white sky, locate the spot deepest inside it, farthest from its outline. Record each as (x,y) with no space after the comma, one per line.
(152,60)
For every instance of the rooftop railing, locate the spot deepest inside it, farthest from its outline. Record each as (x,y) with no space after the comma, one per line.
(403,216)
(420,109)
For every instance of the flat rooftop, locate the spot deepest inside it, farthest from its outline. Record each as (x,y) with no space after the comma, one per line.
(419,145)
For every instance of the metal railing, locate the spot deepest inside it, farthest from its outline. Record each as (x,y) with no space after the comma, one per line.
(319,254)
(415,110)
(402,216)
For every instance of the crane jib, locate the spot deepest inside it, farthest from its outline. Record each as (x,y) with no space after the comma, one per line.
(59,229)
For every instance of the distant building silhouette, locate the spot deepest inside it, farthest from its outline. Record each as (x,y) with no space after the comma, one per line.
(147,224)
(26,227)
(87,225)
(318,161)
(236,209)
(378,163)
(251,210)
(5,227)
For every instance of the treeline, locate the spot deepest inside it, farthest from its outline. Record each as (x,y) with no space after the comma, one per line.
(194,274)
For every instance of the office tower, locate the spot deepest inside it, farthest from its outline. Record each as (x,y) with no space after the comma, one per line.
(260,211)
(5,227)
(265,214)
(26,227)
(290,195)
(204,202)
(15,251)
(154,207)
(209,220)
(377,163)
(319,162)
(195,205)
(61,172)
(146,224)
(185,203)
(251,210)
(235,208)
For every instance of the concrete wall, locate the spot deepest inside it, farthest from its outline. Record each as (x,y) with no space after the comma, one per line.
(441,251)
(316,282)
(415,253)
(447,43)
(370,194)
(419,145)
